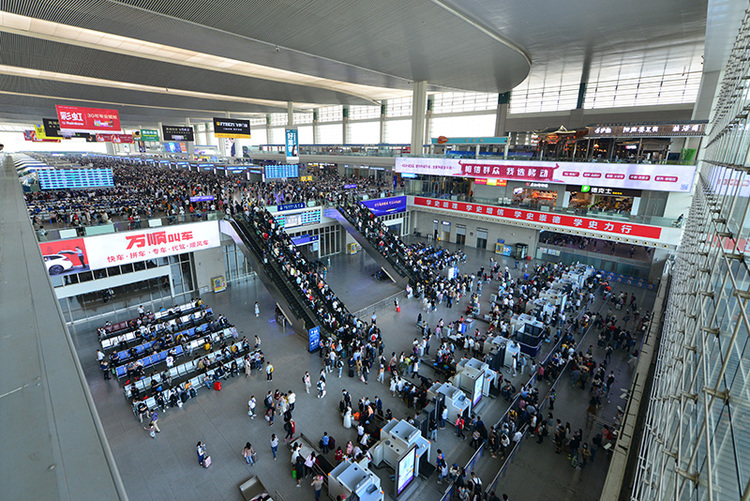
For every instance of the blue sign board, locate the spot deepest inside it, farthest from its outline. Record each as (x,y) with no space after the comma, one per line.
(204,198)
(305,239)
(349,186)
(294,206)
(383,206)
(472,140)
(313,338)
(292,145)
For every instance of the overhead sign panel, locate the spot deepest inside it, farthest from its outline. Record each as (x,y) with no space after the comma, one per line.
(177,133)
(383,206)
(52,131)
(629,176)
(281,171)
(76,179)
(114,138)
(647,130)
(151,135)
(232,128)
(88,119)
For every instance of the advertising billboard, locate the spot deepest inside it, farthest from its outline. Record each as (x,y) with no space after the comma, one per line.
(88,119)
(478,383)
(405,470)
(65,256)
(615,175)
(232,128)
(114,138)
(383,206)
(177,133)
(292,145)
(561,220)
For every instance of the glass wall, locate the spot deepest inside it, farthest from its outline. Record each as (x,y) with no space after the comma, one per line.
(696,439)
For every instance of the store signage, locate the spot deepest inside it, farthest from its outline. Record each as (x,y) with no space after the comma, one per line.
(88,119)
(132,246)
(305,239)
(383,206)
(469,140)
(537,185)
(177,133)
(632,176)
(491,182)
(52,131)
(292,145)
(596,190)
(150,135)
(650,130)
(560,220)
(232,128)
(313,339)
(114,138)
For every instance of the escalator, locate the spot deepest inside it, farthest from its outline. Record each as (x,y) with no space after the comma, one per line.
(286,294)
(398,273)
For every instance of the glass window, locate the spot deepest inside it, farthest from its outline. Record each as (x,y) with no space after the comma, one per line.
(331,114)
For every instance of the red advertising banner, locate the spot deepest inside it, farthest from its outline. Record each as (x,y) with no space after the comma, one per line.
(583,223)
(30,135)
(114,138)
(88,119)
(65,256)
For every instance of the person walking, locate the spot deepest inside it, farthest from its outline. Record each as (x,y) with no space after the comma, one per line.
(321,388)
(201,451)
(251,407)
(155,421)
(317,485)
(257,309)
(306,380)
(248,453)
(150,429)
(269,371)
(274,445)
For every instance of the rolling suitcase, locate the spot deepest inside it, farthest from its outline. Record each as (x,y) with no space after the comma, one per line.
(217,385)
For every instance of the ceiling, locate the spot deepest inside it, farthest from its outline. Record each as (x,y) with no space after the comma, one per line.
(204,57)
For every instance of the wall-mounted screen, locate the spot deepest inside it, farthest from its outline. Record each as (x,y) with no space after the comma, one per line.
(75,179)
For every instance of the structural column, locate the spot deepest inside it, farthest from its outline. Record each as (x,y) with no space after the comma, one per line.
(419,109)
(383,113)
(190,144)
(316,133)
(290,115)
(345,125)
(503,103)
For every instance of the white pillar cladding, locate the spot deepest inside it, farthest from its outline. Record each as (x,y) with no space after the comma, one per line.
(419,109)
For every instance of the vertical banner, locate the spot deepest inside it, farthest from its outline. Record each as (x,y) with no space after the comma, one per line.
(292,146)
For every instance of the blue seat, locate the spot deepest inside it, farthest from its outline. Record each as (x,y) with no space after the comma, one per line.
(178,350)
(121,371)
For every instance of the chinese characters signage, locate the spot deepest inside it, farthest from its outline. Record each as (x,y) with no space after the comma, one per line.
(292,145)
(638,130)
(131,246)
(114,138)
(583,223)
(177,133)
(628,176)
(88,119)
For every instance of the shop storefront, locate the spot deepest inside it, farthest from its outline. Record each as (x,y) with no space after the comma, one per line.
(586,199)
(534,196)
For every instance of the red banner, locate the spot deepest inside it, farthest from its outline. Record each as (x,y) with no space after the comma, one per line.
(88,119)
(583,223)
(114,138)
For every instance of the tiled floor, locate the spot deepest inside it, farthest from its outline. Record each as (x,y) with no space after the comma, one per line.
(167,468)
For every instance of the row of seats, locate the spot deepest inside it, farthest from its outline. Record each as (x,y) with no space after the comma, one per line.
(128,324)
(117,340)
(197,382)
(150,360)
(189,366)
(124,356)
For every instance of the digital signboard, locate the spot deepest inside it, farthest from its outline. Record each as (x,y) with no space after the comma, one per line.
(75,179)
(177,133)
(232,128)
(281,171)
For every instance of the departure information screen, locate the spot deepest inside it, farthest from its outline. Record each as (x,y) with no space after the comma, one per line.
(286,220)
(281,171)
(74,179)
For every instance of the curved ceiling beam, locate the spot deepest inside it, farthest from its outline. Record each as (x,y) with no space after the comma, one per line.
(476,23)
(83,37)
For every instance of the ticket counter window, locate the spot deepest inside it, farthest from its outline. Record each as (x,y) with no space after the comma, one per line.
(534,198)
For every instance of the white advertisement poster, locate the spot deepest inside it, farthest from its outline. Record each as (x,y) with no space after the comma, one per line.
(629,176)
(125,247)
